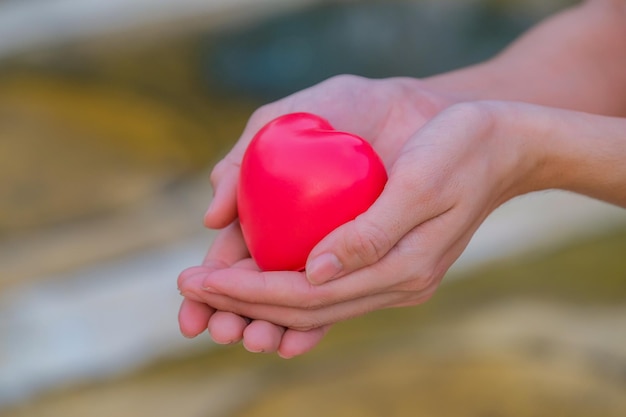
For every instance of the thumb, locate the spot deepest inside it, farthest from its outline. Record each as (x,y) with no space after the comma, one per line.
(369,237)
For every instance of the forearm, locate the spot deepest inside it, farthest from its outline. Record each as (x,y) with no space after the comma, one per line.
(588,156)
(574,60)
(567,150)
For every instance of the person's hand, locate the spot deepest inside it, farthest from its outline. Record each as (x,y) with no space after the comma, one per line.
(446,179)
(386,112)
(443,182)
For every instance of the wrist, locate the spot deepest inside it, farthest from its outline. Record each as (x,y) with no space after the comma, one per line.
(561,149)
(519,157)
(586,155)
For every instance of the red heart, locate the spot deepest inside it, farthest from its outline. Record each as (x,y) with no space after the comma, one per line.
(299,180)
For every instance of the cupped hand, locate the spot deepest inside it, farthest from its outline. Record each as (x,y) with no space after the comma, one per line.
(446,179)
(385,112)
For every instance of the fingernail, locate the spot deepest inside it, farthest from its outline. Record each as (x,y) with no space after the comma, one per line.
(323,268)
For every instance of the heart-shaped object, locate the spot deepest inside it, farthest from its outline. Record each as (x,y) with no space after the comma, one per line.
(300,179)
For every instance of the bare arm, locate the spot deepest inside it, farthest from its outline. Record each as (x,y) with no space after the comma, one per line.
(574,60)
(573,151)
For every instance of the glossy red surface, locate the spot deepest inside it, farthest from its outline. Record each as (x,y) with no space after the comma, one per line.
(301,179)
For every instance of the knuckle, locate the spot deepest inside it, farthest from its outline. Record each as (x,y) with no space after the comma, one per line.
(403,180)
(478,114)
(415,285)
(345,82)
(261,115)
(369,243)
(344,79)
(188,273)
(218,171)
(414,299)
(223,169)
(181,280)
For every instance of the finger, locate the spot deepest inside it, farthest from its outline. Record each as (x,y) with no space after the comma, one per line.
(292,289)
(258,335)
(262,336)
(196,315)
(286,288)
(305,319)
(289,288)
(403,205)
(189,272)
(226,328)
(227,248)
(223,207)
(295,342)
(418,260)
(193,317)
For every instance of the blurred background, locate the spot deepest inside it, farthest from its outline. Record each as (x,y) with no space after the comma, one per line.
(111,116)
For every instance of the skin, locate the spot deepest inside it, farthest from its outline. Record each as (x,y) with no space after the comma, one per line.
(546,113)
